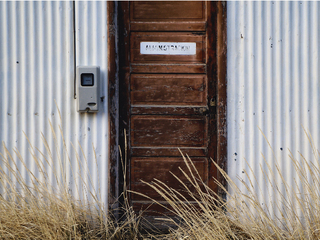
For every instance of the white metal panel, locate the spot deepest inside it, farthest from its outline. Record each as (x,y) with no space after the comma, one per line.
(91,50)
(273,85)
(37,69)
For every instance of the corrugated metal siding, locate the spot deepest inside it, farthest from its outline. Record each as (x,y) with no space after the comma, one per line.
(273,84)
(37,69)
(91,49)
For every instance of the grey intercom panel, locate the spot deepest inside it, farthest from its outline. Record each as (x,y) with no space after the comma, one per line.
(88,88)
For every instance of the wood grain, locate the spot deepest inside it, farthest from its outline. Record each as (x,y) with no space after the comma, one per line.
(164,26)
(164,16)
(168,68)
(167,110)
(170,131)
(161,110)
(167,10)
(166,151)
(162,169)
(165,89)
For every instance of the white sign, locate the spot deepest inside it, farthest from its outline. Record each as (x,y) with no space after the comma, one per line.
(168,48)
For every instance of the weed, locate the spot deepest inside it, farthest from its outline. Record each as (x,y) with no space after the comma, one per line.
(45,208)
(42,210)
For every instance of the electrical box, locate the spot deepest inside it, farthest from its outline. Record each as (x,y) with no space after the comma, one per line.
(88,88)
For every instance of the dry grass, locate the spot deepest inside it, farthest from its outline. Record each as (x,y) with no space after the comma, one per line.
(45,209)
(296,214)
(41,211)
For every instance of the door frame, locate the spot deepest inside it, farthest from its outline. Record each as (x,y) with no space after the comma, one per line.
(118,108)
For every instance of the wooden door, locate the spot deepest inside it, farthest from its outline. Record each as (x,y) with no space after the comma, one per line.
(168,91)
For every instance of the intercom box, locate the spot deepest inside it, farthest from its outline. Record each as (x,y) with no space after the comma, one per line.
(88,88)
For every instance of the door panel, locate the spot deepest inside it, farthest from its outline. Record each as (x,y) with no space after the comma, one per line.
(169,96)
(147,169)
(167,11)
(167,16)
(168,131)
(168,89)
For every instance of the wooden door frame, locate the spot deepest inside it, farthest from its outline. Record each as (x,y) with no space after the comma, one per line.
(118,107)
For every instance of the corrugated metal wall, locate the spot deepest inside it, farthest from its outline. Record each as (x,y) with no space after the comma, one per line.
(273,84)
(91,49)
(37,68)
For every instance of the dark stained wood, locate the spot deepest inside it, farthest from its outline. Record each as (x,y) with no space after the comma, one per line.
(166,11)
(173,110)
(124,98)
(165,151)
(168,89)
(148,169)
(156,127)
(167,16)
(211,35)
(163,26)
(222,91)
(153,209)
(159,134)
(149,208)
(138,37)
(175,184)
(113,190)
(170,131)
(168,68)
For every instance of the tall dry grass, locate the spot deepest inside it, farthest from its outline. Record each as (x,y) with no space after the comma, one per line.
(34,205)
(38,209)
(295,214)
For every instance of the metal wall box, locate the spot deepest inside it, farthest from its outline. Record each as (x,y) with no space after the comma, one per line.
(88,88)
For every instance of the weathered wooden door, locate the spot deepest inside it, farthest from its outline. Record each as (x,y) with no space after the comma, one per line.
(168,94)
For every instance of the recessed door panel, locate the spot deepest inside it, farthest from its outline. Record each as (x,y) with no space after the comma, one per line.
(163,168)
(168,131)
(168,89)
(167,11)
(167,16)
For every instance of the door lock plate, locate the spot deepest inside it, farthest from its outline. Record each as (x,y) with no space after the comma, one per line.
(212,102)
